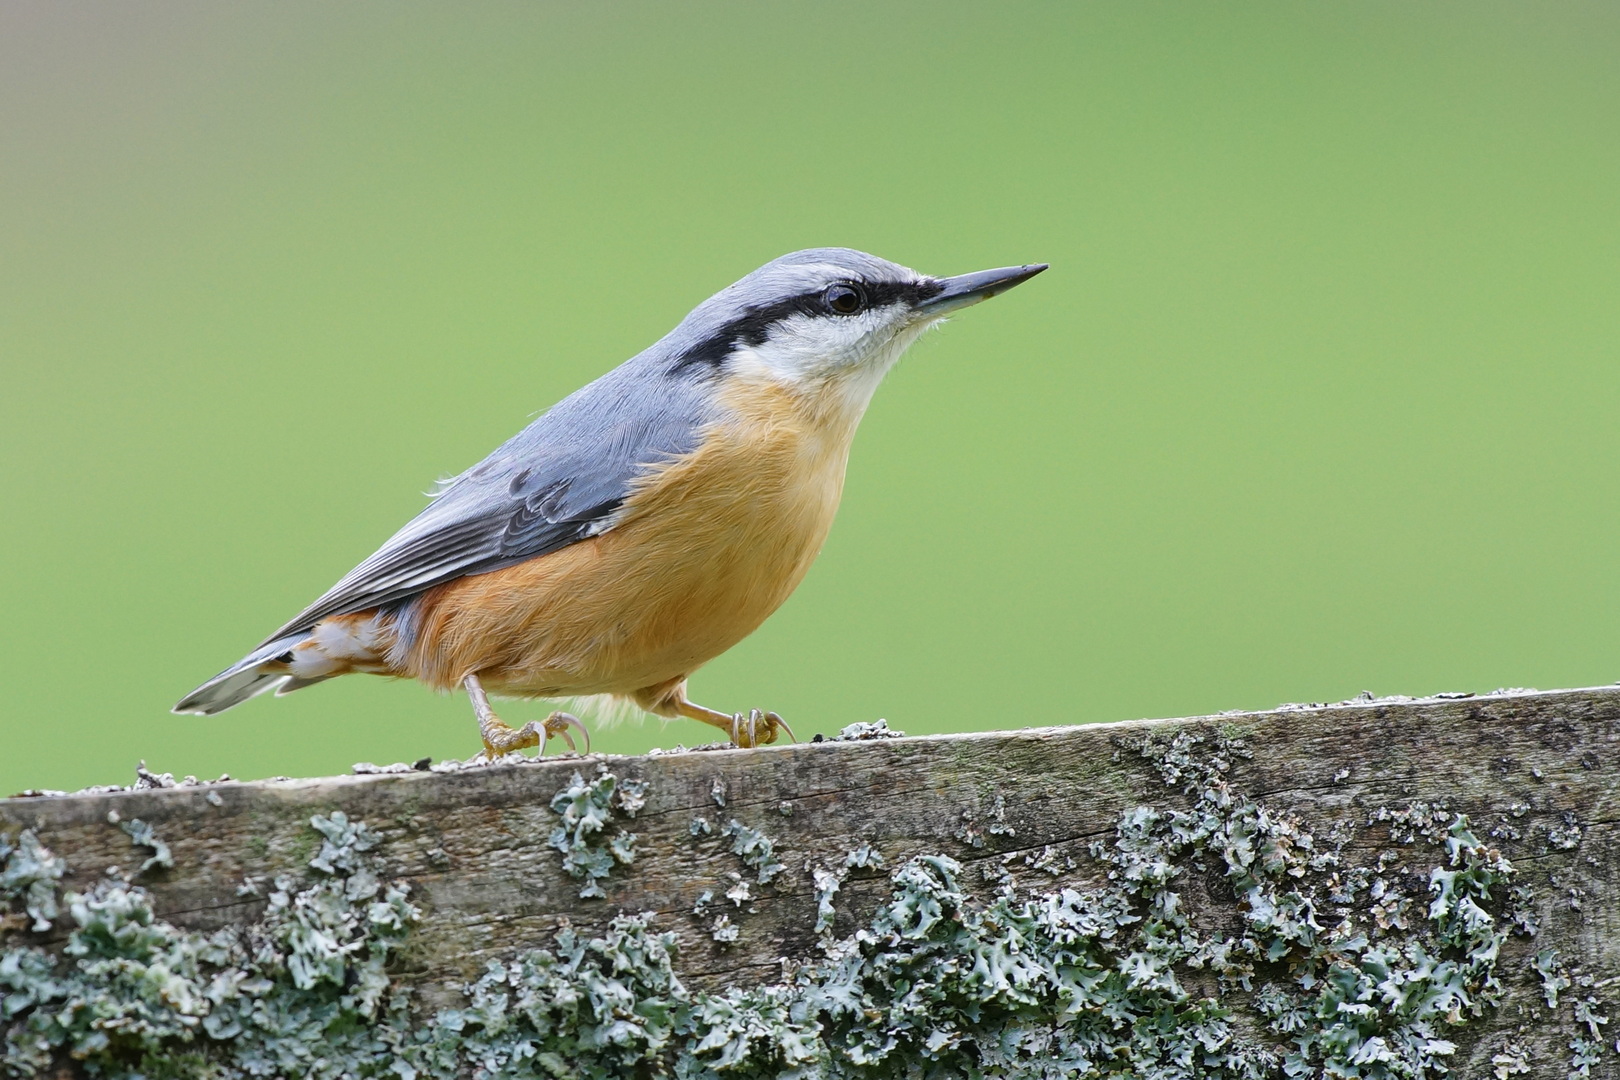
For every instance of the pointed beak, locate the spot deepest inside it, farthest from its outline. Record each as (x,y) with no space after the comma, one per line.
(965,289)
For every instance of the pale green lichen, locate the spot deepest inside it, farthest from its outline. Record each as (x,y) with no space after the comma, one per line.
(975,826)
(828,881)
(1340,969)
(757,851)
(1512,1060)
(1565,836)
(1586,1012)
(724,930)
(28,875)
(632,796)
(861,731)
(1585,1050)
(590,849)
(591,1007)
(1554,979)
(1583,1054)
(141,835)
(303,991)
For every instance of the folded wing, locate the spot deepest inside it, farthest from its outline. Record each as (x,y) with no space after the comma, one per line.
(555,483)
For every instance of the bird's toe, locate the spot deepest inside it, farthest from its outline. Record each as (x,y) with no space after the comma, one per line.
(757,728)
(502,740)
(558,723)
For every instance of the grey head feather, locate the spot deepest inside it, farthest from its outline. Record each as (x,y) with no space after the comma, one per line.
(561,479)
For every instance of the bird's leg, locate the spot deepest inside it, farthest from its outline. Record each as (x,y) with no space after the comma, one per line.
(500,739)
(752,729)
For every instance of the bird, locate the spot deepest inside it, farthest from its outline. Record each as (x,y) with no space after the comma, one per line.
(641,526)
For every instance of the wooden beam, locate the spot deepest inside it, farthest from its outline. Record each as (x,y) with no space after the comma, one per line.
(1352,809)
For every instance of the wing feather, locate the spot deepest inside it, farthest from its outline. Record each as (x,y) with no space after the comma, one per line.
(558,481)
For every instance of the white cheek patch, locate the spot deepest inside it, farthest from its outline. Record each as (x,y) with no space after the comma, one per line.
(813,348)
(836,360)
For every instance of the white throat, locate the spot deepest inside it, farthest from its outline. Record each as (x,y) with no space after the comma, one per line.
(837,373)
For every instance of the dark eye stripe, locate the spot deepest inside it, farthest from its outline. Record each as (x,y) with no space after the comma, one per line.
(885,293)
(753,327)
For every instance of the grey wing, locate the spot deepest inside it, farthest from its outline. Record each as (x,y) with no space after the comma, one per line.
(555,483)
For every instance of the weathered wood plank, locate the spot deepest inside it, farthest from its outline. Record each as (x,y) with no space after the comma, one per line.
(1535,773)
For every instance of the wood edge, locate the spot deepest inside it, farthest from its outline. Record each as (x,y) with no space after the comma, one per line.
(61,808)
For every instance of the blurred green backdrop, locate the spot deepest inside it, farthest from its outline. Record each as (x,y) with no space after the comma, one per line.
(1319,395)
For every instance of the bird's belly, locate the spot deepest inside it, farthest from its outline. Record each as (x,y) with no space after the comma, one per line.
(708,549)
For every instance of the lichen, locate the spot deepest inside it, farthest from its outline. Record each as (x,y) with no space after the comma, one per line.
(1567,835)
(995,824)
(1554,979)
(632,796)
(1585,1010)
(591,1007)
(738,892)
(861,731)
(1337,968)
(1587,1013)
(303,991)
(145,780)
(757,851)
(1512,1060)
(829,880)
(1583,1054)
(28,876)
(724,930)
(141,835)
(590,849)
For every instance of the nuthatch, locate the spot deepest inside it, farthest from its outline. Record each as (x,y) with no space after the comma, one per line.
(644,524)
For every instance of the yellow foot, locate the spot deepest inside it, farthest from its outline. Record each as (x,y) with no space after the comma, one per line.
(753,728)
(758,728)
(499,739)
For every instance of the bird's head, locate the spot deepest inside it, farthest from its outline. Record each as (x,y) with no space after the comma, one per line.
(825,319)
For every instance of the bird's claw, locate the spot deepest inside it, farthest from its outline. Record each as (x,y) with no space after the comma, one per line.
(757,728)
(558,723)
(500,740)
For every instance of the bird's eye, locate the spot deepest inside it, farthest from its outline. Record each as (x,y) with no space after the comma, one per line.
(844,299)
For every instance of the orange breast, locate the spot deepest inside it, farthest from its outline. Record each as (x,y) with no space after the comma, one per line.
(707,548)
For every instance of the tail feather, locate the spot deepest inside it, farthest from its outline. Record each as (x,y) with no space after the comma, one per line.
(244,679)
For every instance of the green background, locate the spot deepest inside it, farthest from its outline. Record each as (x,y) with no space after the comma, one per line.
(1318,396)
